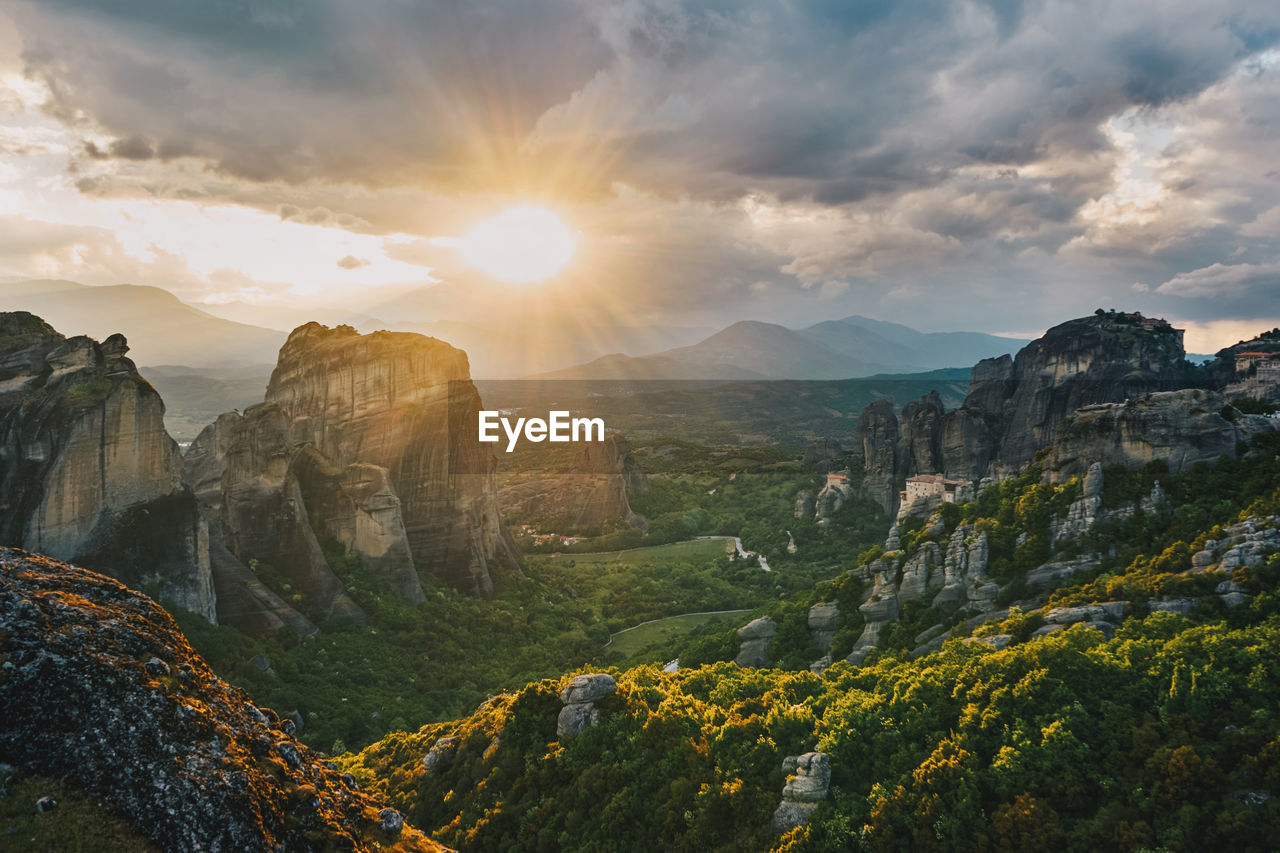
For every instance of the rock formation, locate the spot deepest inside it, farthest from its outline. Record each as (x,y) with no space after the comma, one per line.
(920,444)
(954,579)
(1097,359)
(832,496)
(87,471)
(876,450)
(808,782)
(598,490)
(100,687)
(756,636)
(579,698)
(823,620)
(1015,405)
(1179,428)
(366,442)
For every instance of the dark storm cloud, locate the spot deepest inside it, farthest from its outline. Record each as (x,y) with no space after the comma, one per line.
(329,89)
(829,100)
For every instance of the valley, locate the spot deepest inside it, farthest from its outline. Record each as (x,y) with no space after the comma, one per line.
(648,426)
(755,587)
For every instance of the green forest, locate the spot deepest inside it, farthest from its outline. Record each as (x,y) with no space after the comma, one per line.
(1163,736)
(409,666)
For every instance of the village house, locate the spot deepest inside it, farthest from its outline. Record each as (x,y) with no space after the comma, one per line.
(932,485)
(1266,362)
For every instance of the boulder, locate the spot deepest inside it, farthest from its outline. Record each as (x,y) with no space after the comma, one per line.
(1181,606)
(579,697)
(996,641)
(808,785)
(588,688)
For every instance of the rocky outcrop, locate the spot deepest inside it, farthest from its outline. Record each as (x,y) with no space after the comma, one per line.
(919,573)
(1179,428)
(831,497)
(823,621)
(1051,574)
(965,583)
(756,637)
(100,687)
(1015,405)
(1097,359)
(1083,512)
(876,450)
(951,579)
(596,491)
(808,782)
(1245,544)
(579,698)
(441,753)
(365,442)
(87,471)
(920,444)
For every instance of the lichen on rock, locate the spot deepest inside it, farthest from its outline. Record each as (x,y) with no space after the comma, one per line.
(97,684)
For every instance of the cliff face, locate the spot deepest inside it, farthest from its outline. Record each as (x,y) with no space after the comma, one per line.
(875,448)
(366,441)
(1015,405)
(87,471)
(1080,363)
(1179,428)
(100,687)
(598,490)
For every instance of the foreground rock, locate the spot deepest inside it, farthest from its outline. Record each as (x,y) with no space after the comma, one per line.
(145,726)
(87,470)
(579,697)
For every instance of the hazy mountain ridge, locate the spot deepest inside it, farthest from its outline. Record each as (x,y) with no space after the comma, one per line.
(833,349)
(161,328)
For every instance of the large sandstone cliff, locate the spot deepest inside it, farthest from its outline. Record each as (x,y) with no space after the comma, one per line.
(100,688)
(598,489)
(87,471)
(365,442)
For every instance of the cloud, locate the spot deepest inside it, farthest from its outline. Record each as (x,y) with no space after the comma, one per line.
(1231,281)
(971,163)
(350,262)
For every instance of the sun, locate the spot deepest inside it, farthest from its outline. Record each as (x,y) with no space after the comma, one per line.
(523,244)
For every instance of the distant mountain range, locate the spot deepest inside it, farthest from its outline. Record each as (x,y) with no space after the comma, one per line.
(833,349)
(160,328)
(163,330)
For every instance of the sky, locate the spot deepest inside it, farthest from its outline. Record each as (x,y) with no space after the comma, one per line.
(990,166)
